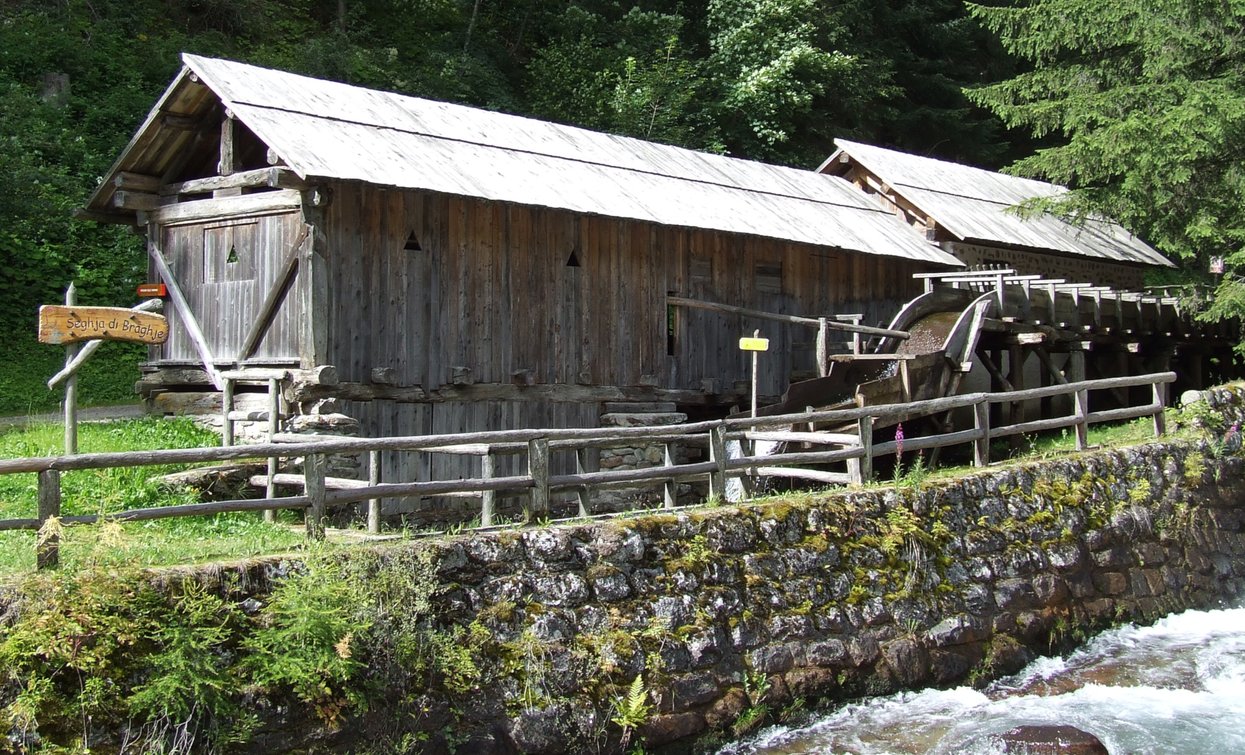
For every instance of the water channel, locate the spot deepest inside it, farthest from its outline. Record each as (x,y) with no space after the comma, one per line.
(1176,686)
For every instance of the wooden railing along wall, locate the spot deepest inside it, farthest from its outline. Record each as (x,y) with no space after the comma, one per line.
(853,448)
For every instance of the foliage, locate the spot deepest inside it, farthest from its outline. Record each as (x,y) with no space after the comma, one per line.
(1142,106)
(315,613)
(105,649)
(633,710)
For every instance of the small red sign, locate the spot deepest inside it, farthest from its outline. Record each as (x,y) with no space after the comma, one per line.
(153,290)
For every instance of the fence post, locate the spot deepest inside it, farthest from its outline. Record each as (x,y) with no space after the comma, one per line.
(864,427)
(274,425)
(538,468)
(1082,413)
(717,454)
(823,346)
(1160,400)
(47,544)
(226,406)
(981,446)
(373,479)
(584,492)
(313,476)
(670,489)
(488,498)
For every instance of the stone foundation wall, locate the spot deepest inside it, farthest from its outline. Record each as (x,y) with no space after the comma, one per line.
(733,615)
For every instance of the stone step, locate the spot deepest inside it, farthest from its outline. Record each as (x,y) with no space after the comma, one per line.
(634,407)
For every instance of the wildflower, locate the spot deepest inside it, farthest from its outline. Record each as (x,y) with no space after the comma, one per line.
(899,441)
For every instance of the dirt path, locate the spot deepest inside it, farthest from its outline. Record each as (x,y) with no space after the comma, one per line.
(85,414)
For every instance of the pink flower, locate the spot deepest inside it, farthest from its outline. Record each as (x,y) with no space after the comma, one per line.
(899,441)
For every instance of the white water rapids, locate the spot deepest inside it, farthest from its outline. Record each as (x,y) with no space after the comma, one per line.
(1175,687)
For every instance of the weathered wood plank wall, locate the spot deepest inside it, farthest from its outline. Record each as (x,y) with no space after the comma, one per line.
(424,283)
(225,268)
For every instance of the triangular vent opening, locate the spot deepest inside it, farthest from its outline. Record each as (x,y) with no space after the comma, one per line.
(412,243)
(573,260)
(232,259)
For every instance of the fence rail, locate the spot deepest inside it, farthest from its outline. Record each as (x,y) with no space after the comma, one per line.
(849,443)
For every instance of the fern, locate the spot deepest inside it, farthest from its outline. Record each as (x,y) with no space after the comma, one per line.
(632,710)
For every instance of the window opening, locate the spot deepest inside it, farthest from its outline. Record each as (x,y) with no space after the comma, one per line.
(768,278)
(573,260)
(412,244)
(232,258)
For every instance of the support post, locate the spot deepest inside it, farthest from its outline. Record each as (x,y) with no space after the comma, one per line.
(313,474)
(981,446)
(274,426)
(584,494)
(717,454)
(226,406)
(71,385)
(756,356)
(864,426)
(1082,426)
(823,346)
(373,479)
(670,489)
(488,498)
(1160,401)
(538,468)
(47,547)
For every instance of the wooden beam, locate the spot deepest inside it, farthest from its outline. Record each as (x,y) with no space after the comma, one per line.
(349,391)
(135,200)
(247,204)
(272,178)
(228,162)
(136,182)
(313,343)
(274,298)
(104,216)
(180,122)
(183,308)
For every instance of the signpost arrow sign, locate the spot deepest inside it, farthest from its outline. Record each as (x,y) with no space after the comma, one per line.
(70,324)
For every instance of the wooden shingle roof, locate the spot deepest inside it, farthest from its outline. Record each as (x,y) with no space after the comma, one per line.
(328,130)
(975,205)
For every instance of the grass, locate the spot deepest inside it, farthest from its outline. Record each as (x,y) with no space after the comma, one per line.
(152,543)
(106,378)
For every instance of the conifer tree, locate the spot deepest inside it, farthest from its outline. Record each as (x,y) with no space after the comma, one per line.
(1144,102)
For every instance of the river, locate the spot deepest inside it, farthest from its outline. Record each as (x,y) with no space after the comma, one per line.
(1176,686)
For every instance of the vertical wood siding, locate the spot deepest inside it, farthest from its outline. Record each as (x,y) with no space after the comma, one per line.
(225,269)
(490,289)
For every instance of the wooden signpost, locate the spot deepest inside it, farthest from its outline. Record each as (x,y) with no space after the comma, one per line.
(71,324)
(756,344)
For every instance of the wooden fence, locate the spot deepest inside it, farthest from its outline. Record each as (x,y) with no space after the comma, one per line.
(851,444)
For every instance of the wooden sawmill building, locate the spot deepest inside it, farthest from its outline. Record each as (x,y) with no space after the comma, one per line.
(435,268)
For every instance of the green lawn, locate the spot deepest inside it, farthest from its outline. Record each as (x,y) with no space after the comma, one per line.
(165,541)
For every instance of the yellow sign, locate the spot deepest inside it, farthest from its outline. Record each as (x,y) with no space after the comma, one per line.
(754,344)
(61,324)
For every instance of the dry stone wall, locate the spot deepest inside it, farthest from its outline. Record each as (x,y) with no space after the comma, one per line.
(732,615)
